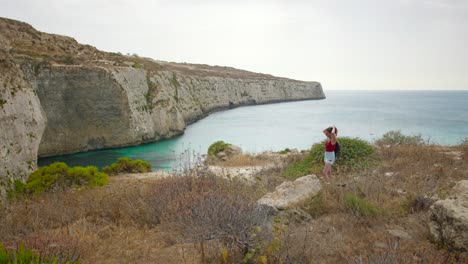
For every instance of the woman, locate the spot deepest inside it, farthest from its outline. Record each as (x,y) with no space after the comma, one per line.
(331,133)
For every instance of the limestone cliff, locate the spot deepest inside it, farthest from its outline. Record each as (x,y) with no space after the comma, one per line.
(22,121)
(93,99)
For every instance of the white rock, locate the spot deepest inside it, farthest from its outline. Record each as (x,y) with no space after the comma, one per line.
(449,218)
(289,193)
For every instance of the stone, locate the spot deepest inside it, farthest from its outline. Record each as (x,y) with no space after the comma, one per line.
(449,218)
(221,155)
(398,233)
(232,150)
(289,194)
(389,174)
(380,245)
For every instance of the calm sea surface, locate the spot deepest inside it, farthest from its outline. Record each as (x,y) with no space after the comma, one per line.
(440,116)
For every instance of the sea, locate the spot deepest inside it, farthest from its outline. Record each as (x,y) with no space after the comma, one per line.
(440,117)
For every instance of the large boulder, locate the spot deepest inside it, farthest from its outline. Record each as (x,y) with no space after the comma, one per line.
(449,218)
(289,193)
(229,151)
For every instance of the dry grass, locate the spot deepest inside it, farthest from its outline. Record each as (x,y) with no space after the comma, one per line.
(242,160)
(194,219)
(110,224)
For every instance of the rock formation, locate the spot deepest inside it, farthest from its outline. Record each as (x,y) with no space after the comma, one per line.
(289,193)
(449,218)
(93,99)
(22,121)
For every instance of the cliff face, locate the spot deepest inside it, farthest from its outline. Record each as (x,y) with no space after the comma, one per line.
(93,107)
(22,121)
(93,99)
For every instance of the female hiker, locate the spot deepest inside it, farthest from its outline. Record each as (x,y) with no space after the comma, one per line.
(331,133)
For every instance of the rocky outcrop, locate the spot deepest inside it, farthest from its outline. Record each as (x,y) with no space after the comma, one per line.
(21,122)
(228,152)
(289,194)
(449,218)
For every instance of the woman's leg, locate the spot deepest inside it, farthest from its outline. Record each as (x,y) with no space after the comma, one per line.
(327,170)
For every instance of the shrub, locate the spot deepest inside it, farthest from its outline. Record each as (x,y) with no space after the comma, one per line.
(285,151)
(127,165)
(395,137)
(207,208)
(355,154)
(359,206)
(58,176)
(217,147)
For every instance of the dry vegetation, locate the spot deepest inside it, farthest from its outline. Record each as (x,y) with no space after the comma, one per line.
(204,219)
(243,160)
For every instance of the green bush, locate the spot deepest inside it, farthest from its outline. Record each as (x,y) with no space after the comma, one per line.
(127,165)
(395,137)
(58,176)
(356,154)
(359,206)
(285,151)
(217,147)
(21,255)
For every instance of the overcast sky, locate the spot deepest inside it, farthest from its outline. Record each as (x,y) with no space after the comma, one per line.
(359,44)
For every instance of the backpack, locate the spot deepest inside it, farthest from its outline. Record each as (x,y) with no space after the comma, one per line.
(337,150)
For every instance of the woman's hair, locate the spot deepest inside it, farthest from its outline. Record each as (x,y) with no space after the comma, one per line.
(329,129)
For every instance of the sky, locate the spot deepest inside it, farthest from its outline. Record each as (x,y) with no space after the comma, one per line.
(359,44)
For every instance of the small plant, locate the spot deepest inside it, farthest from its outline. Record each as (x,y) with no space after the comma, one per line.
(217,147)
(127,165)
(395,137)
(359,206)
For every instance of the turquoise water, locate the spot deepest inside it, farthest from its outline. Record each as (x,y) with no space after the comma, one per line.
(440,116)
